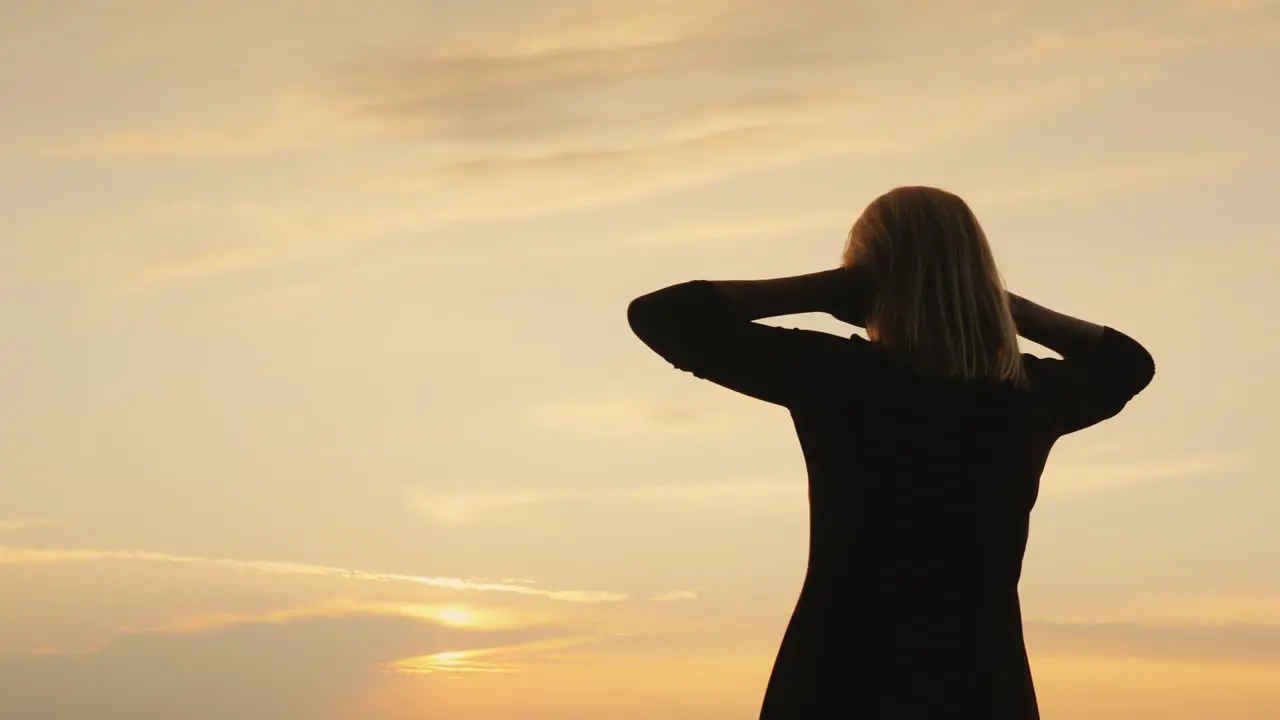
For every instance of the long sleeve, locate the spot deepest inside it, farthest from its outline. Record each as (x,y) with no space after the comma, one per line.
(1093,386)
(692,326)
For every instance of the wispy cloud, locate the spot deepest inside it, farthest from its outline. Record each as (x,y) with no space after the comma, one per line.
(297,119)
(628,416)
(1213,609)
(741,494)
(263,228)
(468,507)
(1165,609)
(1199,9)
(734,227)
(31,556)
(1073,478)
(452,615)
(1051,185)
(177,267)
(506,659)
(584,75)
(524,183)
(313,667)
(753,496)
(11,526)
(589,104)
(1225,643)
(431,193)
(609,103)
(1113,33)
(1103,178)
(563,73)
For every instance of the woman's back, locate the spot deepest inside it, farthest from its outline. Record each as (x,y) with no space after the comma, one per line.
(923,457)
(923,478)
(920,494)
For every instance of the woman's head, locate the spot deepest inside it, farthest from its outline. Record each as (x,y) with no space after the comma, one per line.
(940,303)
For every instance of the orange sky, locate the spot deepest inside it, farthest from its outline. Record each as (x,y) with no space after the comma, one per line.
(320,401)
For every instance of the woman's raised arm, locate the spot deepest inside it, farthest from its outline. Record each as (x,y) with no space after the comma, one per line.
(1100,371)
(706,328)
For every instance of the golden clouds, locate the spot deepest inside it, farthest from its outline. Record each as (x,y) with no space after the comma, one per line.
(35,556)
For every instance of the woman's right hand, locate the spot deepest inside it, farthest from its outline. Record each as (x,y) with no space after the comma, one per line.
(853,296)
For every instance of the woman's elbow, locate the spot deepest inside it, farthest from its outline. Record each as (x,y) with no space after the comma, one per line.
(674,319)
(1141,366)
(661,311)
(642,315)
(1134,363)
(1145,371)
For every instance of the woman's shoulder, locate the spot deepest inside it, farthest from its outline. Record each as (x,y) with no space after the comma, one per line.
(876,358)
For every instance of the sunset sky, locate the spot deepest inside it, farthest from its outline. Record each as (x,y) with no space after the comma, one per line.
(318,399)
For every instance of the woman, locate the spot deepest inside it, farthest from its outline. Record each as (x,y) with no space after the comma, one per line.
(924,447)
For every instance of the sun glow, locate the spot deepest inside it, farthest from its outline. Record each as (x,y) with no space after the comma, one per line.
(459,616)
(457,661)
(503,659)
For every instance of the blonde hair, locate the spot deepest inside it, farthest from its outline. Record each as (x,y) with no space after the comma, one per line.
(940,304)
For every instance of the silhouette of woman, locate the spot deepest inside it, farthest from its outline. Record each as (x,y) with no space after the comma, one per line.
(924,447)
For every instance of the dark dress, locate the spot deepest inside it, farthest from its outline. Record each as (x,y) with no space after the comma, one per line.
(920,492)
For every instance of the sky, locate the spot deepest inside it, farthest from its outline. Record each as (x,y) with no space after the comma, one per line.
(320,401)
